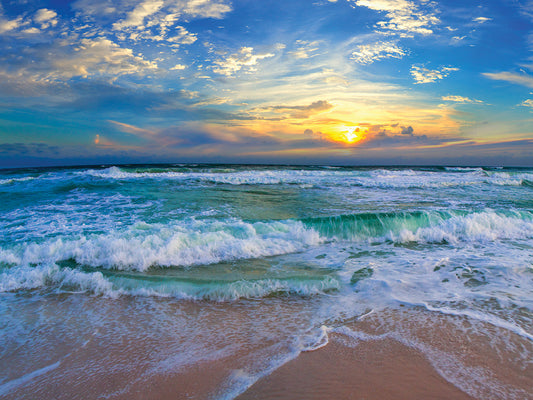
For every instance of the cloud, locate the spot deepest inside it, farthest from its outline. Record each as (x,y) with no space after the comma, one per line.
(301,112)
(135,18)
(207,8)
(305,49)
(424,75)
(97,57)
(178,67)
(527,103)
(148,20)
(407,130)
(176,9)
(481,20)
(402,137)
(134,130)
(460,99)
(403,17)
(32,149)
(46,18)
(526,8)
(86,59)
(243,59)
(7,25)
(512,77)
(368,53)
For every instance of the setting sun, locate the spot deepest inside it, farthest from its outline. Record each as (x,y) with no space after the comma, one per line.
(350,134)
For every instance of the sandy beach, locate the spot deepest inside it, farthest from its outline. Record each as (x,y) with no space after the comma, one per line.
(406,353)
(372,370)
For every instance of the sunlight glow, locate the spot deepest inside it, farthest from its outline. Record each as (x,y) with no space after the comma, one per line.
(350,134)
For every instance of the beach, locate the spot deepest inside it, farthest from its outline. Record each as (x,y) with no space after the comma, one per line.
(399,354)
(258,282)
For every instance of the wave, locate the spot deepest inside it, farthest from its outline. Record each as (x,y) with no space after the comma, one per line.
(68,280)
(426,227)
(463,169)
(51,275)
(527,182)
(176,244)
(377,178)
(12,180)
(201,242)
(316,177)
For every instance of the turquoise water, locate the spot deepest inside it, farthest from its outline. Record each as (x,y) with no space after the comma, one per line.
(334,242)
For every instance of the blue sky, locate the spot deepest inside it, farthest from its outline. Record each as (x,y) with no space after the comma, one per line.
(335,82)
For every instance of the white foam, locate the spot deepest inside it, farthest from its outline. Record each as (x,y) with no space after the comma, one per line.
(192,242)
(484,317)
(176,244)
(9,386)
(383,178)
(463,169)
(476,227)
(12,180)
(27,278)
(71,280)
(314,342)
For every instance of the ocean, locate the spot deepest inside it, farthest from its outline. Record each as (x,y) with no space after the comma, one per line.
(114,277)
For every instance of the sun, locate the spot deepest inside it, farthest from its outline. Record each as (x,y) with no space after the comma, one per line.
(347,134)
(352,134)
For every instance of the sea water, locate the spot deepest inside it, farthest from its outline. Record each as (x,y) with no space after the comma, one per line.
(200,263)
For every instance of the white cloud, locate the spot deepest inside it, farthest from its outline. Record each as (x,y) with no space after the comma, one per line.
(149,20)
(178,67)
(368,53)
(520,79)
(31,31)
(424,75)
(90,58)
(482,20)
(527,103)
(403,16)
(182,36)
(237,61)
(133,12)
(305,49)
(135,18)
(157,20)
(7,25)
(45,17)
(526,8)
(460,99)
(101,57)
(206,8)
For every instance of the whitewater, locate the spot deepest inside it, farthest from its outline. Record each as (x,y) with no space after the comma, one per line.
(255,264)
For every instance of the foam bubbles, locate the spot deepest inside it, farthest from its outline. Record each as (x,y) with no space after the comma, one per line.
(51,275)
(381,178)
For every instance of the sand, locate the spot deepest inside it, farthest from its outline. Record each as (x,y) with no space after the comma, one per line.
(383,369)
(405,353)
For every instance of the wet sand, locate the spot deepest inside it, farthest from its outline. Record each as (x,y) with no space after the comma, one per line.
(384,369)
(128,349)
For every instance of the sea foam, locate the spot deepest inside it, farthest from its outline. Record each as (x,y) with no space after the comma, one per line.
(379,178)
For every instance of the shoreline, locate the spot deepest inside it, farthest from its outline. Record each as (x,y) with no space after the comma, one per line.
(150,349)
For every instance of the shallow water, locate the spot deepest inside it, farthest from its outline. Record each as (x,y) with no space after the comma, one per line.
(201,264)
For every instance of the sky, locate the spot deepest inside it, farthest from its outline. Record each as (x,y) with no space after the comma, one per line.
(349,82)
